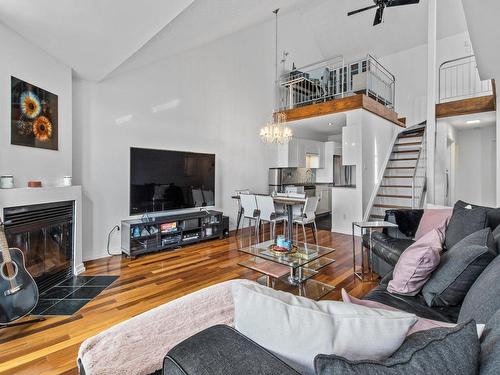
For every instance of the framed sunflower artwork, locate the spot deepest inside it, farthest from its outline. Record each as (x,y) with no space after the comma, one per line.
(33,116)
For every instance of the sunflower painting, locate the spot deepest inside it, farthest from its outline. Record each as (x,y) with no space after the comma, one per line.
(33,116)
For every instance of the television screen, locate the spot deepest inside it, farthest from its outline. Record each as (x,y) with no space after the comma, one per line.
(163,180)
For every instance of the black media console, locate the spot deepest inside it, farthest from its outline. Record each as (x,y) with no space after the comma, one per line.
(142,236)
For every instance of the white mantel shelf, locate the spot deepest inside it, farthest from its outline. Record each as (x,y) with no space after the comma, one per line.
(28,196)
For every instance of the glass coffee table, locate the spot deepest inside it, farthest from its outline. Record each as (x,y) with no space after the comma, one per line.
(297,268)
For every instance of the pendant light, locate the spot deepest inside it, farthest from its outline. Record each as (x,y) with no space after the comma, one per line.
(275,131)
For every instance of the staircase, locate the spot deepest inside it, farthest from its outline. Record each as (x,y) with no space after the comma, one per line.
(403,182)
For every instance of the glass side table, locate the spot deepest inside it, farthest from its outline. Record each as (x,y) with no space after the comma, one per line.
(366,226)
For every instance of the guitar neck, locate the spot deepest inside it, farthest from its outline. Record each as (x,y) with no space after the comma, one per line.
(4,246)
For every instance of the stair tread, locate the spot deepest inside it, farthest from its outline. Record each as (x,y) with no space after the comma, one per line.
(408,144)
(390,206)
(405,151)
(398,176)
(377,216)
(403,159)
(413,135)
(394,196)
(396,186)
(400,168)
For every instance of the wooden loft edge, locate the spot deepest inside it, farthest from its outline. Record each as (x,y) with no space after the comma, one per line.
(466,106)
(359,101)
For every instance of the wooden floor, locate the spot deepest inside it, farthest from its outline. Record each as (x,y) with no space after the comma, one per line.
(51,347)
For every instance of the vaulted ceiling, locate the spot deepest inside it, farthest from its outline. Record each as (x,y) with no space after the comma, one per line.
(102,37)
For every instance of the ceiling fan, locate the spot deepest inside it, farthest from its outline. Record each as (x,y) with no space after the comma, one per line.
(381,5)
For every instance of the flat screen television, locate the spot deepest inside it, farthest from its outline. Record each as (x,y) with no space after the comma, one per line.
(162,180)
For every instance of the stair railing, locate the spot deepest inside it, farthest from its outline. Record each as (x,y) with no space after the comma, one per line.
(459,79)
(421,165)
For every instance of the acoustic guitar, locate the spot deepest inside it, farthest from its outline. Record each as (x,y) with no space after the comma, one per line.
(18,290)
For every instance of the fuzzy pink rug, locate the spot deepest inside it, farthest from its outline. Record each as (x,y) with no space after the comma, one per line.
(138,345)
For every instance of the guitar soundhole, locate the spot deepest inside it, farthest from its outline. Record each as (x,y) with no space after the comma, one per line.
(9,270)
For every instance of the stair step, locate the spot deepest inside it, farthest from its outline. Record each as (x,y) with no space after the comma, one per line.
(400,168)
(398,176)
(396,186)
(408,144)
(404,159)
(405,151)
(390,206)
(378,217)
(411,135)
(394,196)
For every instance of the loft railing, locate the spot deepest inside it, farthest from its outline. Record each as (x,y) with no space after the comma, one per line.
(333,78)
(419,178)
(459,79)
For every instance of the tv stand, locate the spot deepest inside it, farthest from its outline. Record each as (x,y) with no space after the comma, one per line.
(143,236)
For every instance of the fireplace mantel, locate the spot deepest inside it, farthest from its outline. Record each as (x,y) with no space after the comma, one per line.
(27,196)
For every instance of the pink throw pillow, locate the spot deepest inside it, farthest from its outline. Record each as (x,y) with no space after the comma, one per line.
(432,219)
(422,324)
(416,263)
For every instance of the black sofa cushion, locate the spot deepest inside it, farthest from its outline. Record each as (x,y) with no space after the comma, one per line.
(387,247)
(483,298)
(436,351)
(413,304)
(464,222)
(490,347)
(459,268)
(221,350)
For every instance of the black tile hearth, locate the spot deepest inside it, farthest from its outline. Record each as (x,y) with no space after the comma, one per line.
(77,281)
(86,292)
(70,295)
(58,292)
(66,307)
(43,305)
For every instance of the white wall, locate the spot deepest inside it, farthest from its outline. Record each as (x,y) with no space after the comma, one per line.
(25,61)
(476,166)
(216,98)
(410,69)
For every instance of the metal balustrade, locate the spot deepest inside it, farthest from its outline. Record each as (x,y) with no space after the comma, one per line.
(332,79)
(459,79)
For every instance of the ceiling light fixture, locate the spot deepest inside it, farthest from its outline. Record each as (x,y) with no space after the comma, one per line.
(275,131)
(470,122)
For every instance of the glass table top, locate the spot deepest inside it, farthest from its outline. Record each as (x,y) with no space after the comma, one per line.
(306,253)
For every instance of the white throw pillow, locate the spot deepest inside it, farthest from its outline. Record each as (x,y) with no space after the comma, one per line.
(297,329)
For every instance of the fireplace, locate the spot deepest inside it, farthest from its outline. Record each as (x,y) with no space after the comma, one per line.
(44,233)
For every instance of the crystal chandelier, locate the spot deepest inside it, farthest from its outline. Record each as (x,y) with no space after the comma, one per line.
(275,131)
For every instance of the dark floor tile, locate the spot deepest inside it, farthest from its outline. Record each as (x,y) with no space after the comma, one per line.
(86,292)
(101,281)
(76,281)
(43,304)
(66,307)
(58,292)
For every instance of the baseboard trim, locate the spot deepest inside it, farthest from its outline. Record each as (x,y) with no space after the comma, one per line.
(79,268)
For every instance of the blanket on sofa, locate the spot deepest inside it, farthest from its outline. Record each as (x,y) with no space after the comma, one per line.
(137,346)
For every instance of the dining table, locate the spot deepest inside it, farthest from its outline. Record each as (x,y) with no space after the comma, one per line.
(289,201)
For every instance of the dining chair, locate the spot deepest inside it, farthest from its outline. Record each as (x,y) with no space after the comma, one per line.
(250,212)
(308,217)
(268,214)
(238,192)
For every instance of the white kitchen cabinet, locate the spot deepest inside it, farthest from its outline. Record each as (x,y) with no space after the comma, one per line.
(324,193)
(295,154)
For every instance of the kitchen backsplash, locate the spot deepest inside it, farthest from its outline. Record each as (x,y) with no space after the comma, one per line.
(298,176)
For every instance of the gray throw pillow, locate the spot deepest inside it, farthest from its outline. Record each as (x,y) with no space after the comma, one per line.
(490,347)
(436,351)
(459,268)
(492,214)
(464,221)
(482,300)
(496,236)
